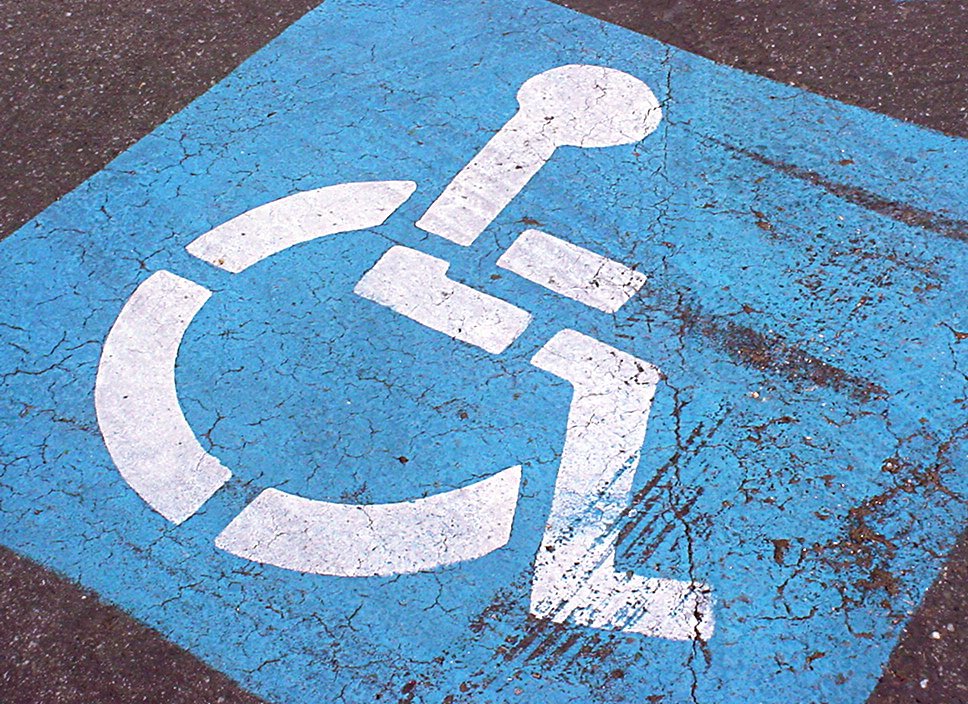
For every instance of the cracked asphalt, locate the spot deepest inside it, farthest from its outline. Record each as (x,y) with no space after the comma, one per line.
(81,82)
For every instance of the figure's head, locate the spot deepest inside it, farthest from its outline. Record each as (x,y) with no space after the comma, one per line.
(590,106)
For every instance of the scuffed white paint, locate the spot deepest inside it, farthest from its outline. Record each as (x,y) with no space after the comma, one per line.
(572,271)
(137,405)
(415,284)
(363,540)
(574,571)
(575,105)
(273,227)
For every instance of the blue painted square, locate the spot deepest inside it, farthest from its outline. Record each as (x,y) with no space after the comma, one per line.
(806,450)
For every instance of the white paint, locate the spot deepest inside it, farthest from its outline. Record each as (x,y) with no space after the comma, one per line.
(575,105)
(137,406)
(572,271)
(355,540)
(574,571)
(273,227)
(415,284)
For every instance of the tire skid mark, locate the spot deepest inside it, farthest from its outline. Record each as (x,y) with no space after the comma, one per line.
(542,636)
(638,510)
(772,353)
(550,645)
(901,212)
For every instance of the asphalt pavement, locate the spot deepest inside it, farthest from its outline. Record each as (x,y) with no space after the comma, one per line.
(82,82)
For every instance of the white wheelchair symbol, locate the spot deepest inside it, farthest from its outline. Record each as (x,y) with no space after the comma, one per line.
(575,578)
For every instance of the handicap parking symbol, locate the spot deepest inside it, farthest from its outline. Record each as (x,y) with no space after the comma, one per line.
(158,454)
(495,353)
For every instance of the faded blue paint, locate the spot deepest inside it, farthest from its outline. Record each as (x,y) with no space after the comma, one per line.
(294,382)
